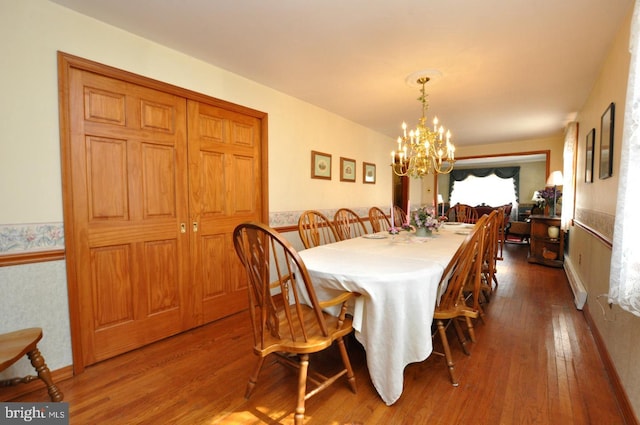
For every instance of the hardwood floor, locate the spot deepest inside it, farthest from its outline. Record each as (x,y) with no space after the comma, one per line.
(535,362)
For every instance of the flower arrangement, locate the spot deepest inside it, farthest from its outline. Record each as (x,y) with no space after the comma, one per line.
(425,217)
(551,196)
(547,194)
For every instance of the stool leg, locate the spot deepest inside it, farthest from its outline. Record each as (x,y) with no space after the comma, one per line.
(37,361)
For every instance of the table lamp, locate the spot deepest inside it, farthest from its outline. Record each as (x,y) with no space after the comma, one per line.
(555,180)
(537,199)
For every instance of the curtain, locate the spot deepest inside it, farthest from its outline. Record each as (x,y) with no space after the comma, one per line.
(624,282)
(570,143)
(502,172)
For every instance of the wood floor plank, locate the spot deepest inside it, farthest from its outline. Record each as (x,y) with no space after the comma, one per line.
(535,362)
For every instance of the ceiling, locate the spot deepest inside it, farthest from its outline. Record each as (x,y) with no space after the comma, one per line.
(503,70)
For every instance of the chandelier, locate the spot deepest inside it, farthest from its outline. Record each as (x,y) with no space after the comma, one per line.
(424,150)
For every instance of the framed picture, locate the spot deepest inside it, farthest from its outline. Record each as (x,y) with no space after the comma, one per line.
(320,165)
(588,163)
(368,172)
(347,170)
(606,141)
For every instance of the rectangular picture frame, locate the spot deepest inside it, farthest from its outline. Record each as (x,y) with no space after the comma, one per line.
(368,173)
(320,165)
(589,156)
(347,170)
(606,141)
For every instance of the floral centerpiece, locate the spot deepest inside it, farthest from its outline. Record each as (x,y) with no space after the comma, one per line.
(550,195)
(425,220)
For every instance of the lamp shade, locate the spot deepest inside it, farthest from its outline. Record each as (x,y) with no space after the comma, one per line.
(440,199)
(555,179)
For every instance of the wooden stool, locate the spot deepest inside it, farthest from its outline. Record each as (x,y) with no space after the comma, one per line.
(16,344)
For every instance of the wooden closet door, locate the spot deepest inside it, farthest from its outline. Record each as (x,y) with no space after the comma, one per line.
(129,189)
(225,190)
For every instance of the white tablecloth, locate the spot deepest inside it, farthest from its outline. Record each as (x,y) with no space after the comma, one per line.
(397,278)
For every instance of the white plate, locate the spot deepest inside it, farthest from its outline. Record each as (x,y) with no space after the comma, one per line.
(463,232)
(374,236)
(453,223)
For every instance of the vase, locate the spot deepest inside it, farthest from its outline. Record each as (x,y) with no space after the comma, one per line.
(423,232)
(553,231)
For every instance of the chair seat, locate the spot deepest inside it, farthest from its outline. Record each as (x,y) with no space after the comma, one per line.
(14,345)
(315,342)
(456,311)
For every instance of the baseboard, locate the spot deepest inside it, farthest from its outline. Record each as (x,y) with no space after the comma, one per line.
(618,389)
(579,292)
(58,375)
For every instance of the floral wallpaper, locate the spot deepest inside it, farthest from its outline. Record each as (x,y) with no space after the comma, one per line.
(50,236)
(31,237)
(599,222)
(290,218)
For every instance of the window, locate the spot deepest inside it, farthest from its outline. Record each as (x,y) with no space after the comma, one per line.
(490,190)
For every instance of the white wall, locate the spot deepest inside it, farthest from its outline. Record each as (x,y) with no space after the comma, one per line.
(32,31)
(588,255)
(35,296)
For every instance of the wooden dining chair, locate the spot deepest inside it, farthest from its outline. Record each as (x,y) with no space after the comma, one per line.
(502,233)
(478,291)
(494,243)
(14,346)
(378,219)
(464,213)
(348,224)
(399,217)
(316,229)
(464,265)
(282,323)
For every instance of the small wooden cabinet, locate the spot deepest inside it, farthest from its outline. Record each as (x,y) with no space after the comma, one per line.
(545,248)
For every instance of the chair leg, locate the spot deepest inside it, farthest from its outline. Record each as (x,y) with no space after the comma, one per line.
(302,389)
(480,311)
(447,351)
(472,332)
(461,337)
(38,363)
(347,364)
(253,378)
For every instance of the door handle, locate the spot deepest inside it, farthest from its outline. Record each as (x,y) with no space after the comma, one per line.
(195,227)
(183,228)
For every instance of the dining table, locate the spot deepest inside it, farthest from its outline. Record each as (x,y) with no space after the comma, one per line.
(397,277)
